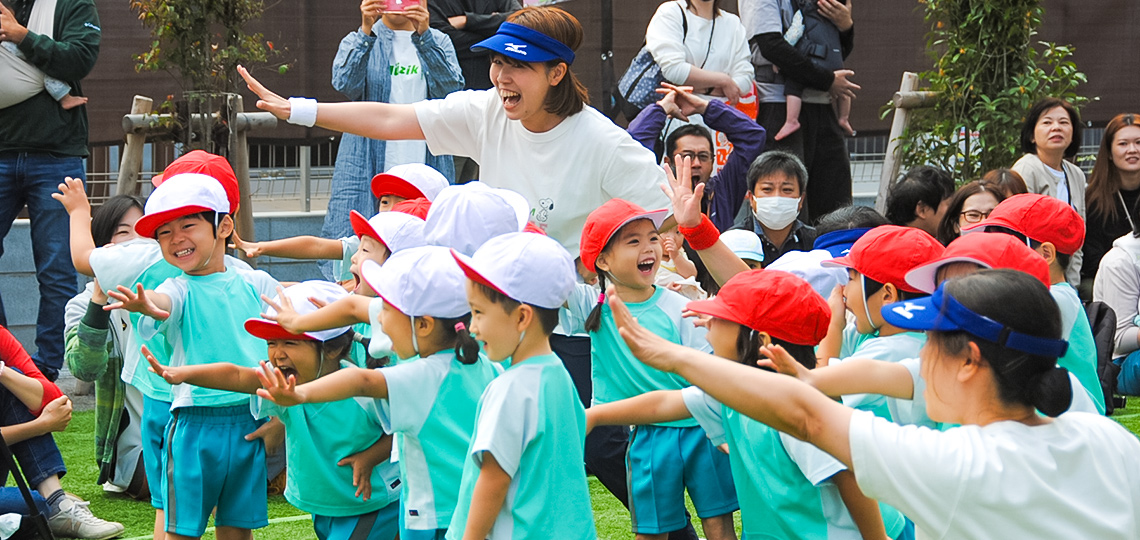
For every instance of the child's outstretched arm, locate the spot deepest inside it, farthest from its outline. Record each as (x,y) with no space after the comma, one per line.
(487,498)
(781,402)
(649,408)
(297,247)
(864,511)
(855,376)
(219,376)
(721,262)
(344,384)
(74,199)
(150,303)
(364,461)
(347,311)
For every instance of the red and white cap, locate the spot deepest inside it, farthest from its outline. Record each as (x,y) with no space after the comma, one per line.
(422,281)
(413,207)
(606,220)
(203,162)
(887,252)
(410,181)
(779,303)
(1038,217)
(299,294)
(511,264)
(463,217)
(179,196)
(988,250)
(396,230)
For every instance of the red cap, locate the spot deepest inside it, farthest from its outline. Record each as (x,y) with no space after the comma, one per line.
(415,207)
(606,220)
(887,252)
(988,250)
(532,228)
(772,301)
(1041,218)
(203,162)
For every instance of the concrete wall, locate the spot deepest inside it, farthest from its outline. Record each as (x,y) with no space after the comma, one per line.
(20,291)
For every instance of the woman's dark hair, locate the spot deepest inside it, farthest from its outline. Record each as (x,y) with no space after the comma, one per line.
(569,96)
(105,220)
(1008,181)
(687,130)
(927,185)
(466,348)
(1030,125)
(947,230)
(547,318)
(1104,181)
(1006,296)
(777,161)
(850,217)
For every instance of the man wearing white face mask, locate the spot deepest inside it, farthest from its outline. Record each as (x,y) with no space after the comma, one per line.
(776,184)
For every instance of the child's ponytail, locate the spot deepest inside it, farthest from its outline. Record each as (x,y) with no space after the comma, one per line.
(466,347)
(594,319)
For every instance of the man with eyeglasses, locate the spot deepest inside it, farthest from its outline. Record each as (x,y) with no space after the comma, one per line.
(724,191)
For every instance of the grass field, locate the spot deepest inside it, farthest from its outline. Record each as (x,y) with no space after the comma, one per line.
(288,523)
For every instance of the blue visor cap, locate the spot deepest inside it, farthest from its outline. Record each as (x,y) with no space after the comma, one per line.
(524,44)
(941,312)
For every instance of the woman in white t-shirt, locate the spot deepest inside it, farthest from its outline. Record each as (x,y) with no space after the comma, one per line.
(532,133)
(713,55)
(1006,472)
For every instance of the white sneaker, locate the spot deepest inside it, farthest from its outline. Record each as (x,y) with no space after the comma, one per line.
(74,520)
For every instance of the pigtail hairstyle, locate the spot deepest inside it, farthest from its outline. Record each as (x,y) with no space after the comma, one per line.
(466,347)
(594,319)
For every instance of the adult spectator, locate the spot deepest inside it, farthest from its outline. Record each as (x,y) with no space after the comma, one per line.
(1007,181)
(394,57)
(776,186)
(919,200)
(1050,138)
(40,144)
(837,232)
(724,191)
(31,409)
(468,22)
(696,43)
(1118,285)
(971,204)
(1113,192)
(820,139)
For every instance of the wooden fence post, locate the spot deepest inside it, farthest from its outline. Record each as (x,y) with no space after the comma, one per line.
(130,166)
(898,127)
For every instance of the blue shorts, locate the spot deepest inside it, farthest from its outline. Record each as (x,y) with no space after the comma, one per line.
(664,461)
(209,463)
(155,417)
(382,524)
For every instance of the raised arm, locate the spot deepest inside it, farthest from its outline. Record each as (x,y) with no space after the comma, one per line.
(74,199)
(782,402)
(219,376)
(649,408)
(347,311)
(344,384)
(384,121)
(296,247)
(720,261)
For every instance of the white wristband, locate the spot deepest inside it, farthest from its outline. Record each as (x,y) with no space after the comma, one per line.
(2,366)
(302,111)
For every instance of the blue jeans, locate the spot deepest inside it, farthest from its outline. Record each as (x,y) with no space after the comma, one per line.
(30,179)
(39,457)
(12,502)
(1128,381)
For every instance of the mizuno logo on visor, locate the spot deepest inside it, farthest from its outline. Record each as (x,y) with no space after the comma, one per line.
(516,48)
(906,309)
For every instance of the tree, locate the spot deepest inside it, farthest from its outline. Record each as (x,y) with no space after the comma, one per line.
(988,70)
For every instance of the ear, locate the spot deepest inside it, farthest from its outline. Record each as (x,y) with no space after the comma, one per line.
(765,339)
(600,264)
(556,73)
(424,326)
(972,365)
(525,317)
(890,293)
(921,210)
(226,226)
(1049,252)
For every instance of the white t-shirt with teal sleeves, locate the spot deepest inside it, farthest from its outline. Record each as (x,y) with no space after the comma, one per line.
(317,436)
(616,373)
(431,407)
(206,326)
(893,348)
(532,422)
(1081,357)
(781,482)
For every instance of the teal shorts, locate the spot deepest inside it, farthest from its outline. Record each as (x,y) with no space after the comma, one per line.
(155,417)
(382,524)
(662,462)
(208,463)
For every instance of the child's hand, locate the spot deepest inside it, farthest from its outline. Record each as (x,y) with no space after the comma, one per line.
(171,375)
(838,305)
(98,295)
(783,362)
(286,316)
(251,249)
(671,246)
(136,303)
(278,388)
(56,415)
(686,200)
(72,195)
(362,464)
(271,433)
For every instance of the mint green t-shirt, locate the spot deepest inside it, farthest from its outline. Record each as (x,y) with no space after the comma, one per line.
(616,373)
(1080,359)
(531,420)
(317,436)
(781,482)
(431,408)
(894,348)
(207,326)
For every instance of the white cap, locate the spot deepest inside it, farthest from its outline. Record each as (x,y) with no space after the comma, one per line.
(422,281)
(463,217)
(299,294)
(410,181)
(179,196)
(745,244)
(526,267)
(396,230)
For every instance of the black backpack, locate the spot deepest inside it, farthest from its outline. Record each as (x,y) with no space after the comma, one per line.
(1103,322)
